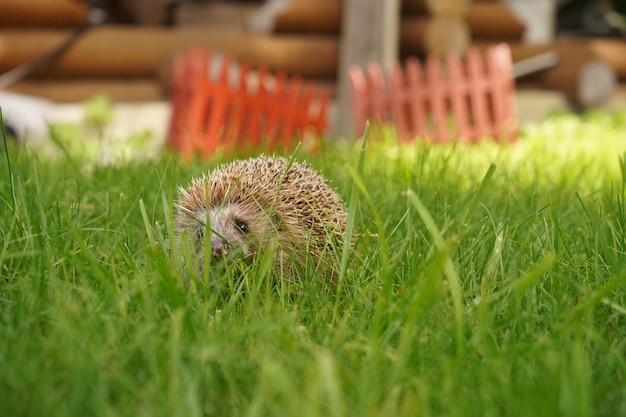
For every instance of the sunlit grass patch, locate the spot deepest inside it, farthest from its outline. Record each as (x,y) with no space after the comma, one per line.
(484,280)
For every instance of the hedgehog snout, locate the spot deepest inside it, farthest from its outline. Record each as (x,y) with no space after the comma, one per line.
(228,231)
(218,246)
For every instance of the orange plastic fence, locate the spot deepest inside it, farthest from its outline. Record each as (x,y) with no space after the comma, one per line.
(468,100)
(218,104)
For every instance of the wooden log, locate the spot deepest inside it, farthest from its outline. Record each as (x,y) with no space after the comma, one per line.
(67,91)
(484,19)
(446,34)
(493,20)
(412,7)
(412,35)
(122,51)
(448,8)
(298,16)
(613,52)
(225,16)
(446,30)
(583,78)
(318,16)
(49,13)
(146,12)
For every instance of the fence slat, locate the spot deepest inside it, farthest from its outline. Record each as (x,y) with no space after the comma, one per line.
(215,116)
(477,85)
(458,88)
(217,104)
(200,103)
(359,97)
(399,101)
(258,123)
(292,111)
(497,93)
(438,90)
(318,120)
(378,92)
(499,61)
(234,124)
(416,98)
(468,100)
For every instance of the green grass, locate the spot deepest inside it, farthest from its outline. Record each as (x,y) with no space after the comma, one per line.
(485,281)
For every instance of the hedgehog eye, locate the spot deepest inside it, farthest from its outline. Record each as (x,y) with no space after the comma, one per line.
(242,226)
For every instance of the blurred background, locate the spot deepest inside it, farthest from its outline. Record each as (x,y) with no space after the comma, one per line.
(56,53)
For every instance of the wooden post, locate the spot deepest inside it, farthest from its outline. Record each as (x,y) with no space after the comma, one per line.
(369,34)
(447,30)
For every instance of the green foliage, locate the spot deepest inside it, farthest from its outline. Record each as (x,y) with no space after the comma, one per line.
(485,280)
(93,141)
(98,111)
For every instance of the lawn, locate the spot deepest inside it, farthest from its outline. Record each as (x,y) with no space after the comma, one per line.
(485,280)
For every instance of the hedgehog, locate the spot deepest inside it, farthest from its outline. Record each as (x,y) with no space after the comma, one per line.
(250,206)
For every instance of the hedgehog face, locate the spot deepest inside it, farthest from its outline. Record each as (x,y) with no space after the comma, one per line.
(230,228)
(234,230)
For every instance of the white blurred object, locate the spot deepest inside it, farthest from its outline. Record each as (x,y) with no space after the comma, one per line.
(25,115)
(539,16)
(262,21)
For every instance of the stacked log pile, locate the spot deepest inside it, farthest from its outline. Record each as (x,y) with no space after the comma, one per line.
(585,79)
(125,61)
(30,29)
(490,21)
(301,37)
(585,71)
(36,13)
(483,19)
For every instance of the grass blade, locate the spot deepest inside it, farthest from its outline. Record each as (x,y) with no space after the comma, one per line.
(6,153)
(450,269)
(477,196)
(348,238)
